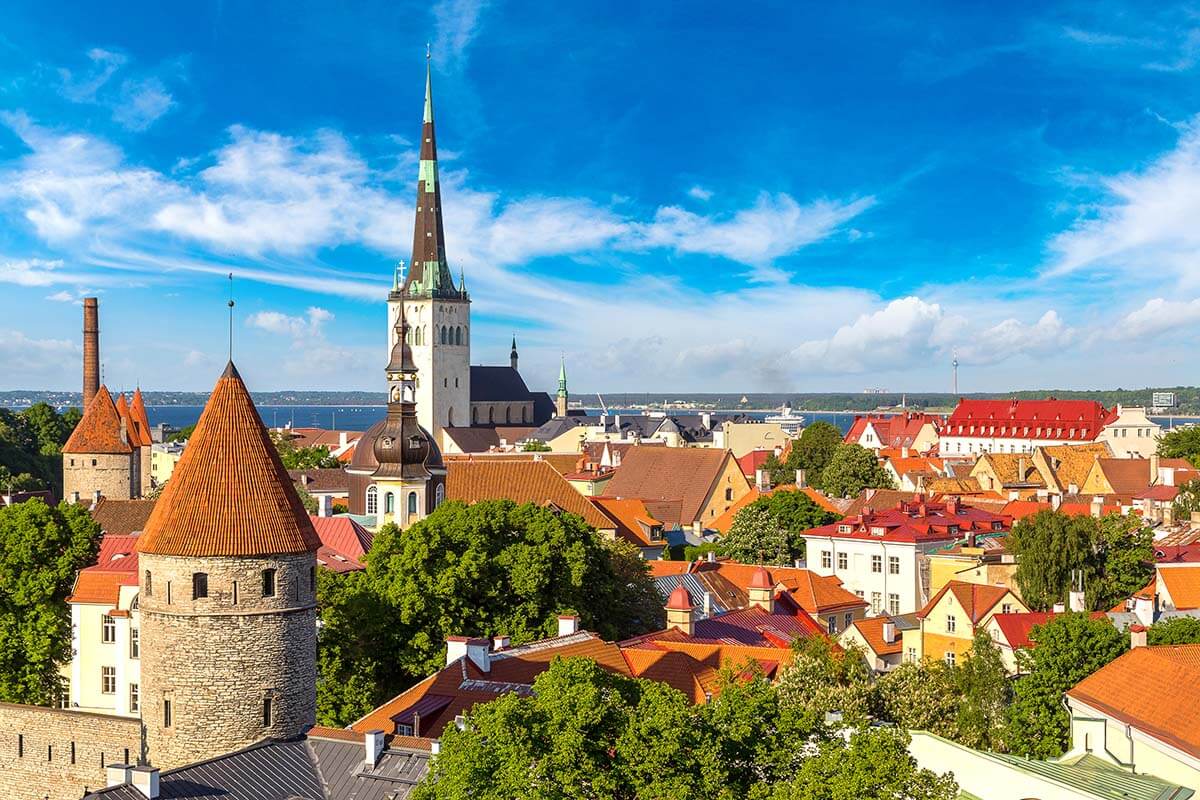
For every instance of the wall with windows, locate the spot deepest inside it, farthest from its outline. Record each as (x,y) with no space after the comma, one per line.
(58,754)
(105,671)
(885,574)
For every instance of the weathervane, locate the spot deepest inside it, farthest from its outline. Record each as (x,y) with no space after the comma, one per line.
(231,317)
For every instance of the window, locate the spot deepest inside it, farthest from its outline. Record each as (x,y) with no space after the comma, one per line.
(729,494)
(912,655)
(876,563)
(312,579)
(268,583)
(951,623)
(266,712)
(372,500)
(108,680)
(1006,608)
(876,602)
(894,604)
(389,503)
(168,593)
(108,629)
(439,496)
(149,584)
(134,705)
(859,592)
(893,565)
(950,658)
(831,624)
(412,503)
(235,592)
(849,620)
(843,561)
(166,713)
(826,559)
(199,585)
(135,643)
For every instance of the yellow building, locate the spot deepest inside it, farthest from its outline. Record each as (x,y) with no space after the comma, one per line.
(742,437)
(163,458)
(972,565)
(949,620)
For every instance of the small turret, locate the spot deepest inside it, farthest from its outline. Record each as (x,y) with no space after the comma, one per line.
(560,400)
(512,356)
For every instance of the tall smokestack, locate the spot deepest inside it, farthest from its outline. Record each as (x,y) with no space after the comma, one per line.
(91,349)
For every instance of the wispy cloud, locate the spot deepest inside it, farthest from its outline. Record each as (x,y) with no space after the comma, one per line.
(278,322)
(700,193)
(456,22)
(1158,315)
(136,104)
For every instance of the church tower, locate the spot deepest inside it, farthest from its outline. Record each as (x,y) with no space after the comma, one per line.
(410,479)
(438,312)
(560,400)
(227,593)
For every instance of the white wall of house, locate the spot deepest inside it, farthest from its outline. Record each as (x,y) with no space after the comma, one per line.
(1095,732)
(1132,434)
(891,587)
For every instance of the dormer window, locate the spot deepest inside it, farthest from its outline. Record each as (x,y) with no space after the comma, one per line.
(844,529)
(386,442)
(414,442)
(878,531)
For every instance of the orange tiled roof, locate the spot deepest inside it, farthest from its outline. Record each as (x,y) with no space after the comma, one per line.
(629,516)
(1153,689)
(99,430)
(229,495)
(976,599)
(519,480)
(101,587)
(871,629)
(137,410)
(1183,584)
(686,474)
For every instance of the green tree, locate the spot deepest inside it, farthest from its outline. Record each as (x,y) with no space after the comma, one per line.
(41,549)
(1177,630)
(1187,502)
(852,469)
(306,499)
(823,678)
(811,452)
(1067,649)
(50,427)
(788,515)
(183,434)
(1123,548)
(873,765)
(312,457)
(535,446)
(985,693)
(1181,443)
(921,695)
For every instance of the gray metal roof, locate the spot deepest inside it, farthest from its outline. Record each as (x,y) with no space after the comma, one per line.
(299,769)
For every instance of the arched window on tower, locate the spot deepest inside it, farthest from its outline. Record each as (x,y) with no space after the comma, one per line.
(389,503)
(442,338)
(372,499)
(412,504)
(450,418)
(439,496)
(508,415)
(474,416)
(492,415)
(458,335)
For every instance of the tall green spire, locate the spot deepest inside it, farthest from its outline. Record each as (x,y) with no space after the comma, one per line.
(562,375)
(428,272)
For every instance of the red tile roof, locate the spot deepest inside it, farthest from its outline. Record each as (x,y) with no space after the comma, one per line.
(99,430)
(122,516)
(631,518)
(686,474)
(522,481)
(752,462)
(1020,509)
(871,630)
(894,430)
(137,411)
(915,520)
(116,566)
(1017,627)
(229,495)
(1068,420)
(1154,689)
(343,543)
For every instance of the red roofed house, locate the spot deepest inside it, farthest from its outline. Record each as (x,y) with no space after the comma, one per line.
(635,524)
(914,430)
(949,620)
(881,638)
(1015,426)
(1011,632)
(880,554)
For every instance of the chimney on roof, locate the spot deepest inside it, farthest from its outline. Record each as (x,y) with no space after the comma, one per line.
(680,610)
(1154,471)
(904,452)
(761,591)
(1072,488)
(373,745)
(1097,505)
(500,642)
(91,349)
(474,649)
(711,556)
(801,479)
(117,774)
(708,605)
(145,780)
(1137,636)
(324,505)
(568,624)
(762,479)
(706,420)
(952,505)
(1021,469)
(889,632)
(1055,501)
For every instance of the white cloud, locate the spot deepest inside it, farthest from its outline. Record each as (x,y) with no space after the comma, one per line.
(142,102)
(898,333)
(1011,337)
(1158,315)
(27,360)
(61,297)
(303,327)
(700,193)
(136,104)
(31,272)
(456,22)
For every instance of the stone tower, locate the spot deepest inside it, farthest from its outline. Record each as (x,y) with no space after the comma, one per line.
(560,399)
(409,479)
(438,312)
(227,593)
(100,458)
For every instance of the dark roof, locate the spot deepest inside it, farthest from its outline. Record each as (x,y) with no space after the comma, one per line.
(498,384)
(556,427)
(481,439)
(543,407)
(313,768)
(122,517)
(328,480)
(687,474)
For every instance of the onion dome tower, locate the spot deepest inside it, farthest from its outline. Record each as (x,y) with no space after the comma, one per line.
(227,593)
(409,479)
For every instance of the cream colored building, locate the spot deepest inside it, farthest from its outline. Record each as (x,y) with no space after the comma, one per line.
(104,675)
(742,437)
(1132,434)
(163,458)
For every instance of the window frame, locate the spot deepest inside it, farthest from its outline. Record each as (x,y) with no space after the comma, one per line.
(108,629)
(108,680)
(270,583)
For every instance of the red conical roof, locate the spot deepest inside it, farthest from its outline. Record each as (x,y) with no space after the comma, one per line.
(679,600)
(761,579)
(137,410)
(99,431)
(229,495)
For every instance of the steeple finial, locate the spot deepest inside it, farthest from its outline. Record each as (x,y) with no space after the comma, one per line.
(512,356)
(231,318)
(562,373)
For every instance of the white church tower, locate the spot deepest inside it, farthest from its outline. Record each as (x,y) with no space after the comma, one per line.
(438,312)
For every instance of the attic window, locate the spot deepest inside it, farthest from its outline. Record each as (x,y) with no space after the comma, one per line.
(844,528)
(878,531)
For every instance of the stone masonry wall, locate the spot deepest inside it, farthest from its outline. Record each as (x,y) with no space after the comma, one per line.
(112,475)
(216,659)
(52,754)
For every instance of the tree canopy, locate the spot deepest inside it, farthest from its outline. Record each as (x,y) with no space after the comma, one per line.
(1181,443)
(769,529)
(293,457)
(811,452)
(1067,649)
(589,733)
(1114,554)
(852,469)
(41,549)
(1177,630)
(490,568)
(1187,501)
(31,446)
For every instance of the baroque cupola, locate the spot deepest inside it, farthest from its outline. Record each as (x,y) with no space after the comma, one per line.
(402,447)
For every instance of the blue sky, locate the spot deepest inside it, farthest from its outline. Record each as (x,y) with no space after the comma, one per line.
(694,196)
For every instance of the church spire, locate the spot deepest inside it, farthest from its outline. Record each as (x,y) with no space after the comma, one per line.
(512,356)
(560,401)
(429,273)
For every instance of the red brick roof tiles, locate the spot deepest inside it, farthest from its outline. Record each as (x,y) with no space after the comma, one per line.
(229,495)
(1072,420)
(976,599)
(522,481)
(871,630)
(685,474)
(137,410)
(99,430)
(122,517)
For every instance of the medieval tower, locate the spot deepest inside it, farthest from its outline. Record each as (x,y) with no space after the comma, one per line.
(227,593)
(438,312)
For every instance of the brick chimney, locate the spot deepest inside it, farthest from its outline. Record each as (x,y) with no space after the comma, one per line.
(91,349)
(1137,636)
